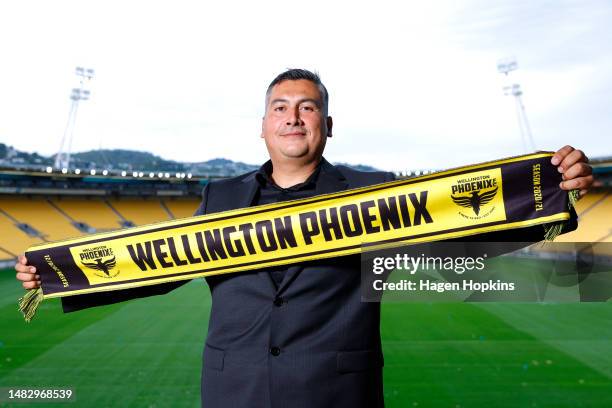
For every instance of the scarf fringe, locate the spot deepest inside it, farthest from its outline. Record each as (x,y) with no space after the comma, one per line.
(28,304)
(553,230)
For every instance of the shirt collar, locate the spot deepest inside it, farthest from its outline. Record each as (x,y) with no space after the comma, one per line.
(264,177)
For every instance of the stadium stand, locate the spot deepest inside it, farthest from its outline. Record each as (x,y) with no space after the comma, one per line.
(93,213)
(4,254)
(38,207)
(594,219)
(139,211)
(41,215)
(181,208)
(26,220)
(14,239)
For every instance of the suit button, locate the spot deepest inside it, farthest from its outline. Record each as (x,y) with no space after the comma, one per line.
(278,301)
(275,351)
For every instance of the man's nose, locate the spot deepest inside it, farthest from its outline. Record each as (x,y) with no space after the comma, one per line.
(293,117)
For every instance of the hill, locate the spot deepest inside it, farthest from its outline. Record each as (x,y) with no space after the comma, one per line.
(130,160)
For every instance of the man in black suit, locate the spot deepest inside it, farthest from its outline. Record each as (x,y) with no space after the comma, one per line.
(297,335)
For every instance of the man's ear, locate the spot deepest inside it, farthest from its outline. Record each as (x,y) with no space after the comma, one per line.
(330,124)
(262,126)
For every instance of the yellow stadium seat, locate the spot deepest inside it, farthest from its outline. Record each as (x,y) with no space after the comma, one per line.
(4,254)
(140,211)
(42,216)
(13,239)
(93,212)
(594,220)
(182,208)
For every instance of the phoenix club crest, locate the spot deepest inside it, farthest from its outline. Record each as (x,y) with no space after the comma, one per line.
(475,201)
(102,266)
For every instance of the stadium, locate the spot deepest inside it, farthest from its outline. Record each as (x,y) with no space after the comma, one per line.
(139,354)
(173,96)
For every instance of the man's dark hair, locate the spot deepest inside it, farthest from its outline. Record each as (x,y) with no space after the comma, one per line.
(295,74)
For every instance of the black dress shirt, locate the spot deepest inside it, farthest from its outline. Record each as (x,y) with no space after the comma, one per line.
(269,192)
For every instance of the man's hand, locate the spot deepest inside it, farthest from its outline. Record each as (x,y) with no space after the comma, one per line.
(573,164)
(27,274)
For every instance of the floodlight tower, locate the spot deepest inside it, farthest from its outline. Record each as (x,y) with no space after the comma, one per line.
(62,159)
(505,66)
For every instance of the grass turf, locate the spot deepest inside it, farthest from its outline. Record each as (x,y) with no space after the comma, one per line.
(436,355)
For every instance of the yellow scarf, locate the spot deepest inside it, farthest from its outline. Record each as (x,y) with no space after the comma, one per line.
(499,195)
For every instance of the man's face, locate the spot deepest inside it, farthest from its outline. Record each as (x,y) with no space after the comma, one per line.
(294,125)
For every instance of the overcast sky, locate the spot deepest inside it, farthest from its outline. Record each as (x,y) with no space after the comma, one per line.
(412,84)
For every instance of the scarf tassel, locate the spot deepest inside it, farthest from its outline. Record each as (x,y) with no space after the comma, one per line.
(554,229)
(28,304)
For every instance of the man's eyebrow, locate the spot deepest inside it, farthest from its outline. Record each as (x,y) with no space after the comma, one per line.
(315,101)
(279,100)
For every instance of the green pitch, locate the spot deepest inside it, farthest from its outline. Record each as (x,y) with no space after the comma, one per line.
(147,353)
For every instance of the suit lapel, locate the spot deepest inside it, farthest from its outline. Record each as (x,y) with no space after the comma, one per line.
(330,179)
(245,195)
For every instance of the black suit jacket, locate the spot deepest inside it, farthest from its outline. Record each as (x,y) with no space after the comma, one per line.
(310,342)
